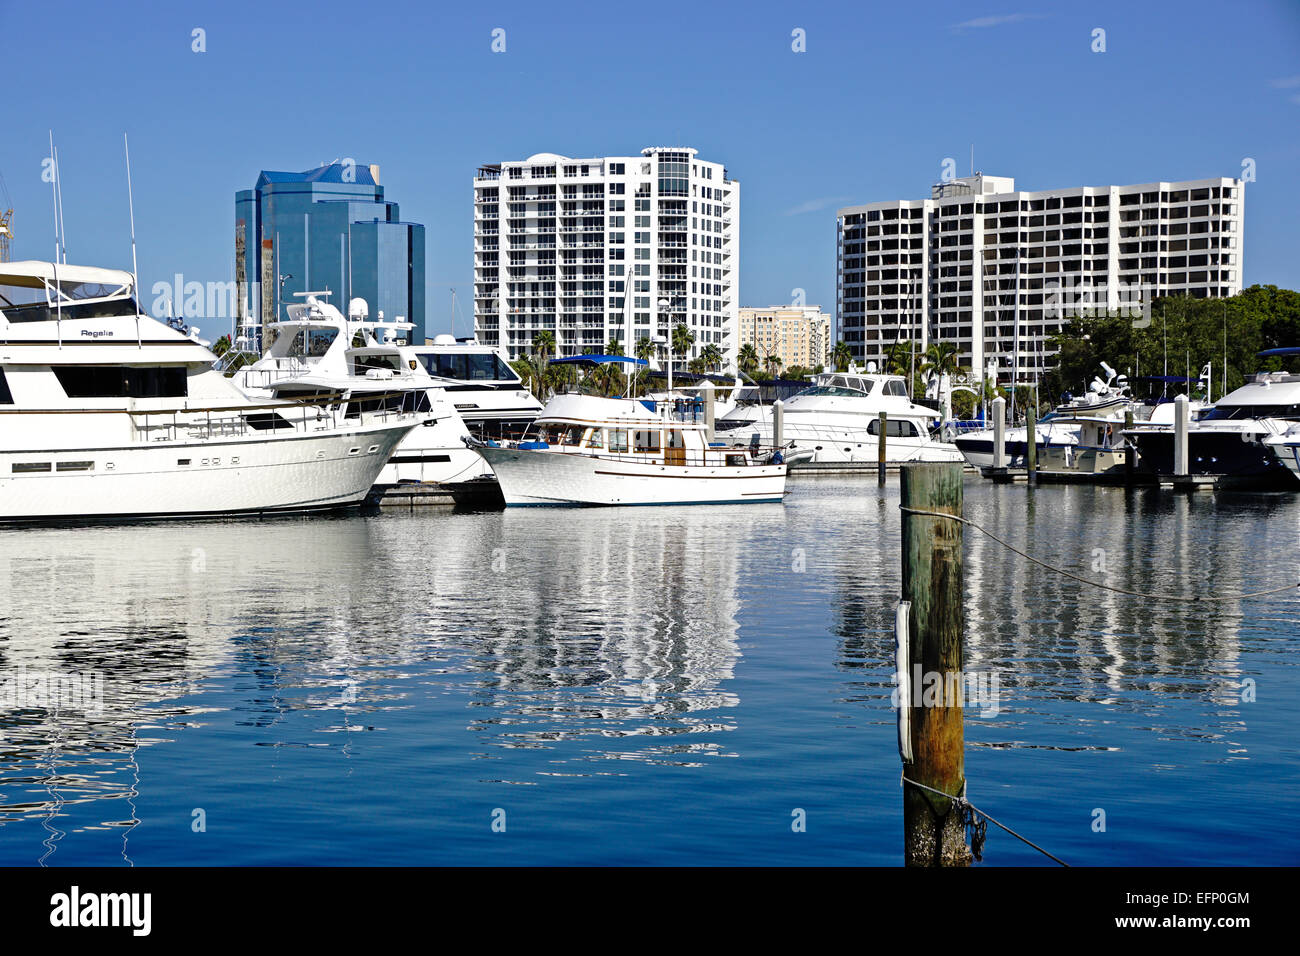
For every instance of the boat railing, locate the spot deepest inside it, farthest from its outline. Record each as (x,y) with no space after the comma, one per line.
(319,414)
(278,370)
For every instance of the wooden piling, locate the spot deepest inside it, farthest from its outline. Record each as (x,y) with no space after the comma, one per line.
(933,832)
(1031,442)
(999,432)
(1130,453)
(880,448)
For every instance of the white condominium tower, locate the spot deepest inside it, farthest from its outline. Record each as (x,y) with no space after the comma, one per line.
(588,249)
(999,271)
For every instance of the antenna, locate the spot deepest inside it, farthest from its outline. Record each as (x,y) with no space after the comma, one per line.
(58,192)
(54,196)
(130,202)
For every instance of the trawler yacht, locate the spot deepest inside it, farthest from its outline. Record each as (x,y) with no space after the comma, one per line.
(108,413)
(592,450)
(316,351)
(837,419)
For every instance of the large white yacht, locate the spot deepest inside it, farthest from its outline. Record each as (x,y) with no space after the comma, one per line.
(837,419)
(1233,442)
(316,352)
(592,450)
(108,413)
(487,393)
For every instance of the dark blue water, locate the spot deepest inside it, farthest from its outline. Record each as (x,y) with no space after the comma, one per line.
(655,686)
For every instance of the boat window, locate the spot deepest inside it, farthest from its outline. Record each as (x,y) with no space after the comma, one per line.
(572,435)
(675,438)
(594,439)
(42,312)
(29,467)
(1224,413)
(6,397)
(362,362)
(618,439)
(469,367)
(646,441)
(894,428)
(895,387)
(122,381)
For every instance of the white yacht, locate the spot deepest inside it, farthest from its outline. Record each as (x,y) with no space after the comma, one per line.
(316,352)
(591,450)
(1233,441)
(837,419)
(487,393)
(108,413)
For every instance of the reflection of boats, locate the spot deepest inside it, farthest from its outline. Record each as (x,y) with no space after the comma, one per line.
(1231,442)
(108,413)
(316,352)
(837,419)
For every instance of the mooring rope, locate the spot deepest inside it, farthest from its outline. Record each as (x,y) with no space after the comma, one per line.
(1195,599)
(963,805)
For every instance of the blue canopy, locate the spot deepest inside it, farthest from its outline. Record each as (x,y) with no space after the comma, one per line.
(1291,350)
(597,360)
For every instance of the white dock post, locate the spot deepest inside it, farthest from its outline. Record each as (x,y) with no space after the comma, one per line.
(1181,417)
(706,392)
(778,422)
(999,432)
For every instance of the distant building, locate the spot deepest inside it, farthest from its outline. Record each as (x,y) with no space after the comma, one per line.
(999,271)
(586,249)
(327,228)
(797,335)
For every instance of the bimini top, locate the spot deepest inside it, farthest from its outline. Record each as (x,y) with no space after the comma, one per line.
(1290,350)
(597,360)
(35,274)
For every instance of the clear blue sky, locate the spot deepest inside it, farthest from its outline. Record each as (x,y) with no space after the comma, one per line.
(883,93)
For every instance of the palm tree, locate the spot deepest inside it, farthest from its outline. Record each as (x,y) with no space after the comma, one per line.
(645,351)
(683,339)
(748,358)
(543,349)
(940,358)
(898,357)
(842,356)
(712,356)
(773,363)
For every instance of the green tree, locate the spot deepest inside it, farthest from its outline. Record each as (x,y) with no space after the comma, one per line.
(712,356)
(748,358)
(842,356)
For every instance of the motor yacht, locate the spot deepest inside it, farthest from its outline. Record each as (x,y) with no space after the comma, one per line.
(486,392)
(316,351)
(837,419)
(106,412)
(1231,441)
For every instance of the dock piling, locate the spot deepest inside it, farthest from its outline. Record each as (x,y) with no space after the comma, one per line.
(880,448)
(1130,453)
(999,432)
(778,422)
(1181,418)
(1031,443)
(933,830)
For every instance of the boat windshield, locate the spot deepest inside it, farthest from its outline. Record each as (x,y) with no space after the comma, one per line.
(833,390)
(1224,413)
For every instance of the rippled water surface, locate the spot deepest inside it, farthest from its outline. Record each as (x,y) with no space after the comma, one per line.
(652,685)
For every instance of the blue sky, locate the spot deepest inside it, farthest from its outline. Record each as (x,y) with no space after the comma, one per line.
(882,95)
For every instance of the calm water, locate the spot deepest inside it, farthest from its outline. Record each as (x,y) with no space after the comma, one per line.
(660,686)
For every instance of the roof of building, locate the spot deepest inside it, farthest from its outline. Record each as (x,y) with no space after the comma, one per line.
(339,171)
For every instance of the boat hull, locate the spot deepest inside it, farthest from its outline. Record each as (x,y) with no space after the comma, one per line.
(534,477)
(247,475)
(1222,454)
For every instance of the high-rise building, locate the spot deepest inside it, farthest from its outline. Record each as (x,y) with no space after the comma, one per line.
(616,247)
(327,228)
(795,334)
(999,271)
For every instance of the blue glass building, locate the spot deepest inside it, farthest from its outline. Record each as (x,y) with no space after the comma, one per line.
(327,228)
